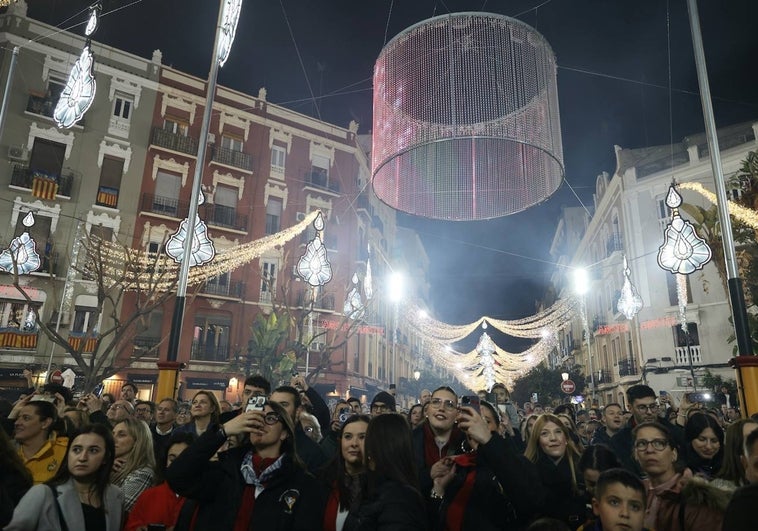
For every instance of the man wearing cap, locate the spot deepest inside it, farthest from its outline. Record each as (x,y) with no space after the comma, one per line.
(382,403)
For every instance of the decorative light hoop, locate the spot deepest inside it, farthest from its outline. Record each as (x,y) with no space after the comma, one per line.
(490,144)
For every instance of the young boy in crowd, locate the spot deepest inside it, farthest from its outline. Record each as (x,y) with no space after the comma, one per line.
(619,502)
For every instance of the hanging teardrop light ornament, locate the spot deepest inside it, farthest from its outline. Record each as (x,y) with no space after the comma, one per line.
(630,302)
(21,251)
(314,266)
(683,251)
(203,250)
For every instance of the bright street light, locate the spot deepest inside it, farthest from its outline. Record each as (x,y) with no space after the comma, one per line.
(396,287)
(581,281)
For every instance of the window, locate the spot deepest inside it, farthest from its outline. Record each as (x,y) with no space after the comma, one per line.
(687,348)
(320,171)
(218,285)
(39,232)
(268,280)
(278,158)
(273,215)
(671,285)
(110,182)
(103,233)
(18,315)
(166,199)
(176,126)
(122,106)
(149,333)
(85,319)
(211,336)
(231,143)
(225,208)
(47,157)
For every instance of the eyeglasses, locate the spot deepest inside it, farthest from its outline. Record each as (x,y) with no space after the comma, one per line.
(380,408)
(273,418)
(647,408)
(658,444)
(444,404)
(308,429)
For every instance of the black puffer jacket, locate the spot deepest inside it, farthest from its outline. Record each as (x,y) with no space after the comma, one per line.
(292,500)
(393,506)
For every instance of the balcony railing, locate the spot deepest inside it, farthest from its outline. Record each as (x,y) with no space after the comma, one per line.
(173,141)
(167,206)
(49,263)
(42,184)
(44,106)
(683,355)
(19,339)
(628,367)
(231,157)
(614,243)
(223,216)
(318,179)
(202,352)
(230,289)
(147,343)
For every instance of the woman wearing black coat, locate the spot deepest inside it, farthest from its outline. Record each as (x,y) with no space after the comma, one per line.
(261,485)
(15,479)
(390,500)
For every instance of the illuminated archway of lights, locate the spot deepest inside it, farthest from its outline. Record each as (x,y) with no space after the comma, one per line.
(138,269)
(508,366)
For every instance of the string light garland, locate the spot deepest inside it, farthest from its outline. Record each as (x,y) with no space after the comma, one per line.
(741,213)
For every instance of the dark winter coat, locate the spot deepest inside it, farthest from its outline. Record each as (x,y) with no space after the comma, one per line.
(217,487)
(393,506)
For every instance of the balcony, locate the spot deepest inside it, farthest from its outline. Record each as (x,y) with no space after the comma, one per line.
(614,243)
(231,157)
(223,216)
(42,184)
(107,197)
(320,181)
(80,343)
(202,352)
(49,263)
(44,106)
(233,289)
(165,206)
(16,338)
(628,367)
(173,141)
(683,355)
(146,344)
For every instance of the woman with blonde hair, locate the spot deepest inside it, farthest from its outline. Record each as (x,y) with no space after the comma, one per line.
(134,466)
(556,457)
(205,411)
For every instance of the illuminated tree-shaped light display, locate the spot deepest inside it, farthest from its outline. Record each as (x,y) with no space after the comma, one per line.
(683,252)
(203,250)
(486,348)
(79,92)
(630,302)
(21,252)
(368,280)
(314,266)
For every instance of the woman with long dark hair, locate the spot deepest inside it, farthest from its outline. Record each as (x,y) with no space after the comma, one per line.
(345,473)
(259,485)
(80,496)
(731,476)
(391,500)
(15,479)
(705,445)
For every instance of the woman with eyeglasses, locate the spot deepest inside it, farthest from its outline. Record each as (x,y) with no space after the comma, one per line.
(556,459)
(675,499)
(258,485)
(205,411)
(391,500)
(345,473)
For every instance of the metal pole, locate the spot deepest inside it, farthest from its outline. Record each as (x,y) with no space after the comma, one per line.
(8,83)
(736,294)
(181,290)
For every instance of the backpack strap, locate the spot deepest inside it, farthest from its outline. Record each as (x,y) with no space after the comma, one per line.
(64,527)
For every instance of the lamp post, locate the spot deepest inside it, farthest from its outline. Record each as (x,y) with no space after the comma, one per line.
(228,15)
(581,287)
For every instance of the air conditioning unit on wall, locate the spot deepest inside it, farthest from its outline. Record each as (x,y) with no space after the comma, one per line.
(18,153)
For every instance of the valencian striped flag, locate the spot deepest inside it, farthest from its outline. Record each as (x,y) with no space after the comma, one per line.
(44,186)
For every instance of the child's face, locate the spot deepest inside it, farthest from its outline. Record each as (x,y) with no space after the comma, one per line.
(620,508)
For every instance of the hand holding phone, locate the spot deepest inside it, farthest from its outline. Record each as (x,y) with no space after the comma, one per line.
(472,401)
(255,403)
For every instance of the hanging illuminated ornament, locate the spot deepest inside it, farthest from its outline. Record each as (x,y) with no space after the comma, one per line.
(313,266)
(486,348)
(203,250)
(683,251)
(630,302)
(79,92)
(229,19)
(353,304)
(368,281)
(21,252)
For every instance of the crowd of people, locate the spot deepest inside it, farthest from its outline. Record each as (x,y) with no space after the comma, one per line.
(284,460)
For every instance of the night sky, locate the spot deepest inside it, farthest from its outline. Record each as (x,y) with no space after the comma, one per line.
(613,74)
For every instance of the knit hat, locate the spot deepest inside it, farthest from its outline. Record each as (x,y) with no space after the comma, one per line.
(385,398)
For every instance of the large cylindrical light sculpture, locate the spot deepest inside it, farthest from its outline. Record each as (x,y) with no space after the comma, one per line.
(466,123)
